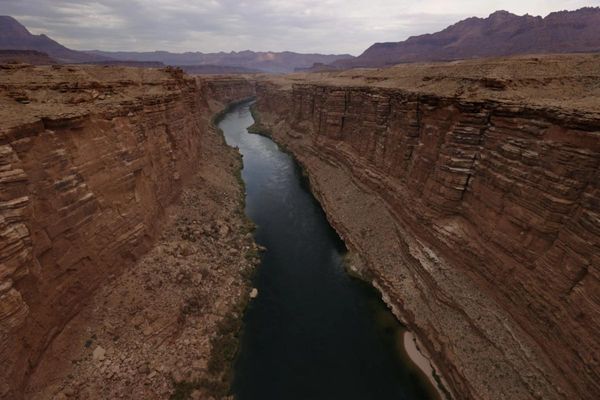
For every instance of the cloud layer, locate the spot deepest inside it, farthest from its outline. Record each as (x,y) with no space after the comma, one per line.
(325,26)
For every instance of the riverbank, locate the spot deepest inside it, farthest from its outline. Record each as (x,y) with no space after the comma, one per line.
(410,351)
(167,327)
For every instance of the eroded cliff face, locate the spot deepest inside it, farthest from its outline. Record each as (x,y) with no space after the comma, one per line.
(89,159)
(475,210)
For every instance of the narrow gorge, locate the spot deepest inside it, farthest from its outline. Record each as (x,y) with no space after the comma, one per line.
(312,331)
(466,193)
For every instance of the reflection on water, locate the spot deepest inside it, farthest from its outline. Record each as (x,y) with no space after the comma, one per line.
(313,332)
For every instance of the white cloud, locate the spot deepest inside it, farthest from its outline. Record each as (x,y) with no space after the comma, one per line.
(327,26)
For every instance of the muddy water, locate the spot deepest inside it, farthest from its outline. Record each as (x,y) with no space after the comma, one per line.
(313,332)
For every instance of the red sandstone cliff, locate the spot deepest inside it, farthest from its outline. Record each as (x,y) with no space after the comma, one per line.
(471,193)
(89,159)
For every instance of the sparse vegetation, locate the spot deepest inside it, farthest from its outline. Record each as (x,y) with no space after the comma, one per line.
(183,390)
(225,342)
(225,345)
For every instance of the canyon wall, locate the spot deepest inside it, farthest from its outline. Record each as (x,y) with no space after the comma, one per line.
(477,217)
(89,159)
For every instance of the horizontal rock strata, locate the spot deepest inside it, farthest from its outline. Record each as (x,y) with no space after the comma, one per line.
(477,216)
(89,159)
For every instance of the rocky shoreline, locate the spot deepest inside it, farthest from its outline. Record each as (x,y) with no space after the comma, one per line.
(417,353)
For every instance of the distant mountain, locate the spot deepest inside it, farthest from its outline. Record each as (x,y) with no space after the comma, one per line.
(277,62)
(500,34)
(217,69)
(14,36)
(32,57)
(125,63)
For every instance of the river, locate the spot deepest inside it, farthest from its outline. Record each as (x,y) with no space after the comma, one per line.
(313,332)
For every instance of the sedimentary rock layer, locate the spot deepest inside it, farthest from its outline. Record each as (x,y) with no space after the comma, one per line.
(89,159)
(474,206)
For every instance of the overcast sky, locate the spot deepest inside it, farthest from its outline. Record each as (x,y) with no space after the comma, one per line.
(325,26)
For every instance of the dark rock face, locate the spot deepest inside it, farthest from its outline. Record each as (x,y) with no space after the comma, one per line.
(14,36)
(501,34)
(25,56)
(478,219)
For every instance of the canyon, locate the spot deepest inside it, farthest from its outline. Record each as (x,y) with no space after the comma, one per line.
(91,158)
(468,194)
